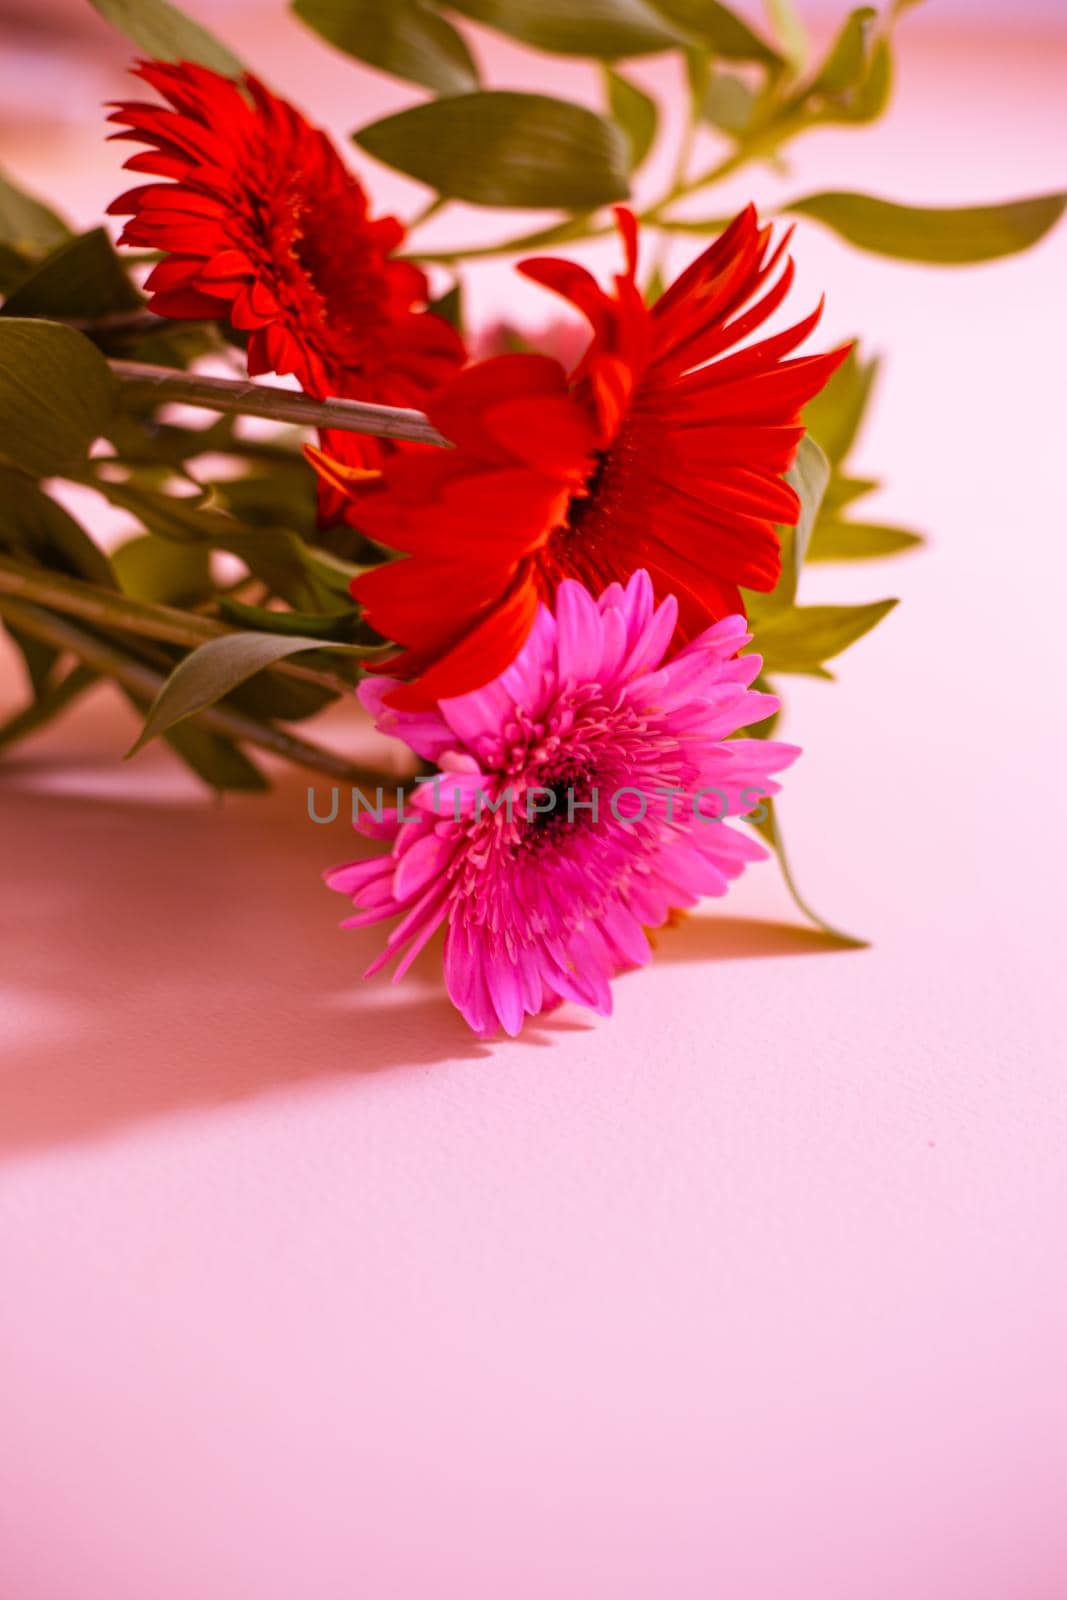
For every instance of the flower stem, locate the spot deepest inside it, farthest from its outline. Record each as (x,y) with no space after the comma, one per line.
(577,227)
(142,681)
(140,381)
(106,608)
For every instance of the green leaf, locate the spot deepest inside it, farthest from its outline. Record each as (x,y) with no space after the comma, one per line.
(499,148)
(809,476)
(214,759)
(801,638)
(789,32)
(837,540)
(729,103)
(835,415)
(335,626)
(149,568)
(83,277)
(937,234)
(867,101)
(216,668)
(406,38)
(276,555)
(655,284)
(36,527)
(56,396)
(720,30)
(770,828)
(48,703)
(37,657)
(164,32)
(766,727)
(843,491)
(141,441)
(700,226)
(449,306)
(635,112)
(605,29)
(221,764)
(284,494)
(28,227)
(846,62)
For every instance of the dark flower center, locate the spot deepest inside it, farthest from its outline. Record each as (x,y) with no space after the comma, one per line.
(571,789)
(350,291)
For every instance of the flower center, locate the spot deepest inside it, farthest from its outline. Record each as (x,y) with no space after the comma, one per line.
(570,789)
(584,545)
(349,298)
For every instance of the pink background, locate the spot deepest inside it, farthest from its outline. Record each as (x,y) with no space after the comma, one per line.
(755,1292)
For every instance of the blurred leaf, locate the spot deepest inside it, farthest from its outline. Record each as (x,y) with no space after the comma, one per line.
(934,233)
(607,29)
(449,306)
(38,658)
(215,760)
(834,416)
(165,33)
(789,32)
(837,540)
(770,828)
(149,568)
(846,62)
(698,76)
(500,148)
(36,527)
(56,395)
(701,226)
(655,284)
(271,698)
(843,490)
(142,441)
(82,277)
(729,103)
(809,475)
(221,764)
(276,555)
(801,638)
(336,626)
(635,112)
(406,38)
(870,97)
(12,267)
(720,30)
(285,495)
(766,727)
(216,668)
(49,702)
(27,224)
(333,575)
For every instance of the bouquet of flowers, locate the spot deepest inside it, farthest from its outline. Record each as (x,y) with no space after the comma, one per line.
(539,568)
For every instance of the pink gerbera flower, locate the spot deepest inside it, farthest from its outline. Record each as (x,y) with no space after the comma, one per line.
(580,800)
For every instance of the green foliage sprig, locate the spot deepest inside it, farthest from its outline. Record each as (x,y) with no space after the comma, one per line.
(222,668)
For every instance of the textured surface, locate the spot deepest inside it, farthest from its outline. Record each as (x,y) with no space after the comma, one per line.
(757,1291)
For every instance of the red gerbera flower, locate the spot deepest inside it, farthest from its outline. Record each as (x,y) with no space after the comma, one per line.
(263,224)
(653,453)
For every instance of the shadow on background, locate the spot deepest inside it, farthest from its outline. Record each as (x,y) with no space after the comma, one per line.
(169,957)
